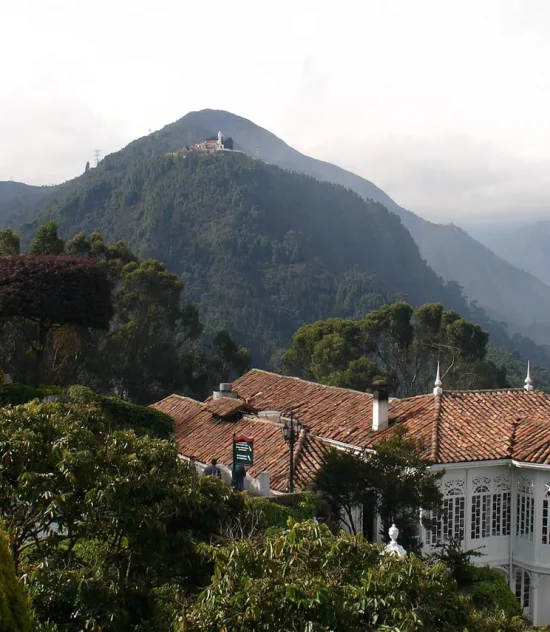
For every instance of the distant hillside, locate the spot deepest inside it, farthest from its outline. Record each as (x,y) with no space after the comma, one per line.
(20,203)
(527,247)
(262,250)
(507,294)
(318,257)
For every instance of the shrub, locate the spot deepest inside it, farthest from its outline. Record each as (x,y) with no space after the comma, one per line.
(121,414)
(16,394)
(490,591)
(14,613)
(270,513)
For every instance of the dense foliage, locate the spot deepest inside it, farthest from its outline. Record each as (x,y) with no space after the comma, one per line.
(39,294)
(393,483)
(14,612)
(309,579)
(263,250)
(402,344)
(103,522)
(154,345)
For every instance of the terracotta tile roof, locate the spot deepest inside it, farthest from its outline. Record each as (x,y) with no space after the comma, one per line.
(326,411)
(224,407)
(452,427)
(200,435)
(476,425)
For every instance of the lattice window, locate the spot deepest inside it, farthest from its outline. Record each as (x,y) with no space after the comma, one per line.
(491,505)
(449,524)
(525,514)
(523,588)
(481,512)
(545,516)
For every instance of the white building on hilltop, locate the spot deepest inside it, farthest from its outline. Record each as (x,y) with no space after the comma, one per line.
(494,446)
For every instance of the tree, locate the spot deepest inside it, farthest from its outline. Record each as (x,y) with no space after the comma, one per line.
(9,243)
(393,482)
(50,291)
(47,241)
(87,167)
(309,579)
(14,613)
(402,344)
(103,522)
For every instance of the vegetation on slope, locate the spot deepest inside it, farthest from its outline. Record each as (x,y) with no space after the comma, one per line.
(262,250)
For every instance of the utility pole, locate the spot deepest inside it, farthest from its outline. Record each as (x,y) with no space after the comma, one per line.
(97,156)
(289,435)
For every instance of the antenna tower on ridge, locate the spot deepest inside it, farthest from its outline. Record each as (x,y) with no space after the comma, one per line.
(97,156)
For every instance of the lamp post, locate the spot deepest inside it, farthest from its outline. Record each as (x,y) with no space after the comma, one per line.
(290,431)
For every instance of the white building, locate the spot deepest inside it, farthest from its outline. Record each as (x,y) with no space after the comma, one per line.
(494,446)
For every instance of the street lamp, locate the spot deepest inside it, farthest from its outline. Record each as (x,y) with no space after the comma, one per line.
(290,431)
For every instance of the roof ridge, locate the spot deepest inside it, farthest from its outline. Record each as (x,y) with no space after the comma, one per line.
(434,454)
(301,379)
(184,397)
(494,390)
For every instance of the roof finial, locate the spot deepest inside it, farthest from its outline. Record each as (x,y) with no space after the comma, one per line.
(438,383)
(528,381)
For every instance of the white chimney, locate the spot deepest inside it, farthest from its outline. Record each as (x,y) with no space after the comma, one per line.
(380,405)
(225,391)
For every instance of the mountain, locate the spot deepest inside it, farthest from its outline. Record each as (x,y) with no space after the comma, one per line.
(508,294)
(262,250)
(527,247)
(20,202)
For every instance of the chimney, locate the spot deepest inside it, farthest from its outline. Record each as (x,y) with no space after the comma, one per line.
(380,405)
(225,391)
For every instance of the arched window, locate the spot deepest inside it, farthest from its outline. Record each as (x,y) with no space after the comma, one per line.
(545,516)
(523,588)
(449,523)
(490,515)
(525,521)
(481,509)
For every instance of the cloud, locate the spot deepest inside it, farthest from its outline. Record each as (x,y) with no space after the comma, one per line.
(48,143)
(448,179)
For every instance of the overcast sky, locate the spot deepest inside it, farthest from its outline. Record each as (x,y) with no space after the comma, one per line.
(443,104)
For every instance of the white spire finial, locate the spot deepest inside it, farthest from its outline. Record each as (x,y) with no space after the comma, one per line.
(528,381)
(438,383)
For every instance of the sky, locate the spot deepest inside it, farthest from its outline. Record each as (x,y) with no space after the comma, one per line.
(443,104)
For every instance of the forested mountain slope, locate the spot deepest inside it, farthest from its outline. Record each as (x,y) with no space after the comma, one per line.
(21,203)
(262,250)
(506,293)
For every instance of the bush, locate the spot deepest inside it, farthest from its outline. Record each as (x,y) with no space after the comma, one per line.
(14,613)
(121,414)
(306,578)
(272,514)
(490,591)
(16,394)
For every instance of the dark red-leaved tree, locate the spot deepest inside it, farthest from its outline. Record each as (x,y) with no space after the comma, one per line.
(51,291)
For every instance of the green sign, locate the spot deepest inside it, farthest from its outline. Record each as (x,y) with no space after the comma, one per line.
(243,451)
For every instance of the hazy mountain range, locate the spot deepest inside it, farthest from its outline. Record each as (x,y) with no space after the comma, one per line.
(272,231)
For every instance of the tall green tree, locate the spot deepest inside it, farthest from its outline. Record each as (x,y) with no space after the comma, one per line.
(10,243)
(14,610)
(392,483)
(399,343)
(103,522)
(47,241)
